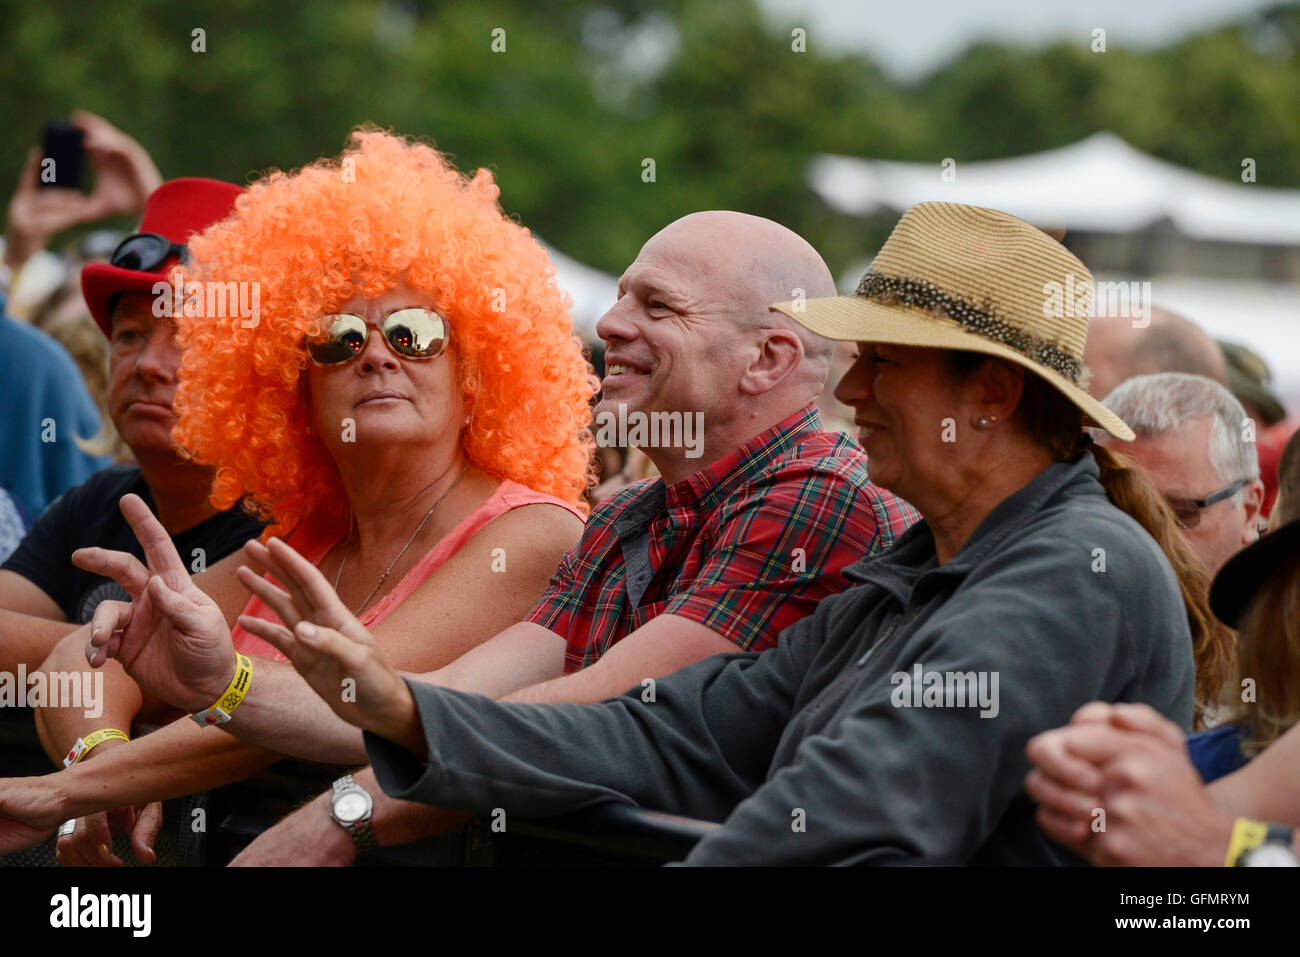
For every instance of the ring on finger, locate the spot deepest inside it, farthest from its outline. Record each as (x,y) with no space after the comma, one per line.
(67,827)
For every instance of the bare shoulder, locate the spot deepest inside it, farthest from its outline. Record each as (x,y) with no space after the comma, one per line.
(488,585)
(531,537)
(542,529)
(542,521)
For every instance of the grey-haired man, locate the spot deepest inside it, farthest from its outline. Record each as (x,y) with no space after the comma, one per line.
(1197,444)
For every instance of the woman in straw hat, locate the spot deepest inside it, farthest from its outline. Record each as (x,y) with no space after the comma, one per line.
(970,383)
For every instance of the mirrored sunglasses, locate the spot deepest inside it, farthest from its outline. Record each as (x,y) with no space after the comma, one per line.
(411,333)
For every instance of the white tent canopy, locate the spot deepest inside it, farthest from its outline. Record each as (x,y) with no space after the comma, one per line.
(1259,315)
(1100,184)
(593,291)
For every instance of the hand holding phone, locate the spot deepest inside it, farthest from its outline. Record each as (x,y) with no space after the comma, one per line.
(62,155)
(48,198)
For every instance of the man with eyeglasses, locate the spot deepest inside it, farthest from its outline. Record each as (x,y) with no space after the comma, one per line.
(1197,444)
(42,595)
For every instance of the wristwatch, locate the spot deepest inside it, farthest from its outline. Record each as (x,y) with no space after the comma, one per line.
(351,808)
(1274,851)
(1256,844)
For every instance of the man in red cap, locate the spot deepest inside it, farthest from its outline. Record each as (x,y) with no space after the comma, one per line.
(42,595)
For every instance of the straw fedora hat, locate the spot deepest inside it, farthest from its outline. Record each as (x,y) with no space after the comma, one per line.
(961,277)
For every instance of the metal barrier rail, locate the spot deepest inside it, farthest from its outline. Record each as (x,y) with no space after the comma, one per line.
(233,816)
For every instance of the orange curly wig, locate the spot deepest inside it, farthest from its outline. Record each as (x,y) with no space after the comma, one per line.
(388,209)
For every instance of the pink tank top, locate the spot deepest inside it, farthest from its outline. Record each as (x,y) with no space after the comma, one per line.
(314,546)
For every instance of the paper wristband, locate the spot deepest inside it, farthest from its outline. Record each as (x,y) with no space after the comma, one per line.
(1246,836)
(220,712)
(84,745)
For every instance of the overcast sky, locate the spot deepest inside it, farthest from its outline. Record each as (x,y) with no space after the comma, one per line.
(909,39)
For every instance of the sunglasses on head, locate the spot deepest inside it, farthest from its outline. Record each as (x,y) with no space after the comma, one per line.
(146,252)
(411,333)
(1188,510)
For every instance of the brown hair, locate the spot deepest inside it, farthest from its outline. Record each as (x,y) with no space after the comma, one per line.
(1056,423)
(1286,508)
(78,334)
(1268,654)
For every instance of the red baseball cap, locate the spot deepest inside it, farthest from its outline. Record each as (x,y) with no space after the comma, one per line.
(177,210)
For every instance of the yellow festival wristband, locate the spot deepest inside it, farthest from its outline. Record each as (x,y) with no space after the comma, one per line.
(84,745)
(220,712)
(1246,836)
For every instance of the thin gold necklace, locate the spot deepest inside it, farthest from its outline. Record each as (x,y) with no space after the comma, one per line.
(384,577)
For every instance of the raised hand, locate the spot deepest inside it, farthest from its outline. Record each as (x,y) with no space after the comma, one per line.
(351,675)
(310,597)
(36,215)
(323,640)
(171,638)
(125,174)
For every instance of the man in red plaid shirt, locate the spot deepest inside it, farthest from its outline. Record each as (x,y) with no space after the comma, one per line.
(742,534)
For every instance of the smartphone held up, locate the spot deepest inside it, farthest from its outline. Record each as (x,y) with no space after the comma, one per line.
(63,152)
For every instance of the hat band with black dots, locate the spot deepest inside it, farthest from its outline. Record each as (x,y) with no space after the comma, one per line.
(981,320)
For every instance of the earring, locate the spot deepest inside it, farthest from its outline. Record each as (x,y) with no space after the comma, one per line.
(984,421)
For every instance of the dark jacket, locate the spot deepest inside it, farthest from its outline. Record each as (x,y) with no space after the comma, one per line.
(816,751)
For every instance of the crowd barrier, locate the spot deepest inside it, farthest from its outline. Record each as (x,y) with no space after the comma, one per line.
(209,829)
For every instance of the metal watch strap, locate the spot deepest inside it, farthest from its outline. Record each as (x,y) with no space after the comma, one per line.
(362,835)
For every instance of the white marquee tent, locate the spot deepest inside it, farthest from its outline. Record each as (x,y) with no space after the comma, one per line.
(1100,184)
(1103,185)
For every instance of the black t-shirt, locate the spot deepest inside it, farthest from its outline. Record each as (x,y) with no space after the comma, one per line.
(89,515)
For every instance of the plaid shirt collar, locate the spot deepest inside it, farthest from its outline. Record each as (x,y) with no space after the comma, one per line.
(709,486)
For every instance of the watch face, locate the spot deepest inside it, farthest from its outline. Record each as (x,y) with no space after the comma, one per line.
(351,807)
(1271,855)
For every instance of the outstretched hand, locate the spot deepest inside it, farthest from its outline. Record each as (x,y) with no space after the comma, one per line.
(326,643)
(310,597)
(171,638)
(352,676)
(30,811)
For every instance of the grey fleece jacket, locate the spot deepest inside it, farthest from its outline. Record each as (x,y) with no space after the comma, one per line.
(849,743)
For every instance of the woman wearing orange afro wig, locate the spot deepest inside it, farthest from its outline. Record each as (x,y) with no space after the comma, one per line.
(406,401)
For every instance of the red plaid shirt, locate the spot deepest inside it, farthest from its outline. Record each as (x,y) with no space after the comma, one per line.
(745,547)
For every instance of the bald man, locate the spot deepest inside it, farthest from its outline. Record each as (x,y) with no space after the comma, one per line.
(1117,350)
(750,524)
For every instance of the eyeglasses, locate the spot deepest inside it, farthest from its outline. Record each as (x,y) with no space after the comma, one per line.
(1188,510)
(145,252)
(411,333)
